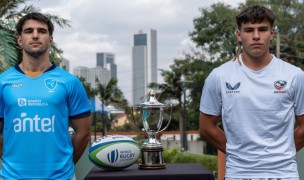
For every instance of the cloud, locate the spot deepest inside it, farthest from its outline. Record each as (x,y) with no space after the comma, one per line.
(108,26)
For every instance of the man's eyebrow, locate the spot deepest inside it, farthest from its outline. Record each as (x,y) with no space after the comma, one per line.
(31,28)
(264,27)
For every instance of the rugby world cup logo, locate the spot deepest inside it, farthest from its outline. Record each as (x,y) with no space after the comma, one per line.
(113,156)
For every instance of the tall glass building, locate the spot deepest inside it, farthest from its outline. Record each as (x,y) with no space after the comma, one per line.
(107,60)
(144,63)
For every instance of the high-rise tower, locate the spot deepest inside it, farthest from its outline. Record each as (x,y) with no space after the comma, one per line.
(144,63)
(107,61)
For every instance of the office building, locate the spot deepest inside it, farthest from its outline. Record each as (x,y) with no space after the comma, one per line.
(144,63)
(81,71)
(107,61)
(101,74)
(91,74)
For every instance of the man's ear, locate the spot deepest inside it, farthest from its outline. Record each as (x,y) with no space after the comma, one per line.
(19,41)
(51,39)
(272,33)
(238,35)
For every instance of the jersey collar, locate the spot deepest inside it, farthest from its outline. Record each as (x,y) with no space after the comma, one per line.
(20,70)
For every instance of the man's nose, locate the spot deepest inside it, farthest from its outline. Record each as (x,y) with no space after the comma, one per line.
(35,34)
(256,34)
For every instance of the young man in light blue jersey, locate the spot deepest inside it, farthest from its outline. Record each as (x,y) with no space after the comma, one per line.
(38,100)
(259,98)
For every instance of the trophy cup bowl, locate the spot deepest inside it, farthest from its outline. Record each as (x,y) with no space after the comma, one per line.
(152,116)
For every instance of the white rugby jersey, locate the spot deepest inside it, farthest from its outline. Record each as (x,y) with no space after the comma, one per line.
(258,111)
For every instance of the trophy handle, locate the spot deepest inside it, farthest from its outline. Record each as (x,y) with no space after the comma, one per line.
(168,121)
(133,118)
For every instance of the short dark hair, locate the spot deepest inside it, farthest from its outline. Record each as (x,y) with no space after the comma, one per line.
(255,14)
(35,16)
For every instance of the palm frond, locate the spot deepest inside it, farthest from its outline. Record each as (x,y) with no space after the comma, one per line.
(62,23)
(8,47)
(9,15)
(9,6)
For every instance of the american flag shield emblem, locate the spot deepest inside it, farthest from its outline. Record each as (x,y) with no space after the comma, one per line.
(280,84)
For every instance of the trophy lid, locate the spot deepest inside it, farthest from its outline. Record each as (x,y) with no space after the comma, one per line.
(152,101)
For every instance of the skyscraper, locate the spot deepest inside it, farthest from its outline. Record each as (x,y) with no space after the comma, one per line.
(144,63)
(107,61)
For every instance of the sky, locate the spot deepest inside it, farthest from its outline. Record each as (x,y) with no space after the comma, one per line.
(109,25)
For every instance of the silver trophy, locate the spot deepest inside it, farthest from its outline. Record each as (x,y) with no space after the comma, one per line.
(152,115)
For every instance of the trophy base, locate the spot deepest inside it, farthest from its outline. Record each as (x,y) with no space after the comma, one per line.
(151,167)
(152,158)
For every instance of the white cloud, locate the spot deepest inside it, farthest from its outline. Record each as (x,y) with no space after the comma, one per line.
(108,25)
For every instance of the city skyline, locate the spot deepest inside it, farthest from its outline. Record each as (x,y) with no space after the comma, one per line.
(107,26)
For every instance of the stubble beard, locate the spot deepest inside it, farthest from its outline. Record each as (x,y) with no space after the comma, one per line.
(35,53)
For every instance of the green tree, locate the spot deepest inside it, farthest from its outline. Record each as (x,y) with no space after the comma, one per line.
(214,30)
(171,91)
(199,72)
(110,94)
(87,86)
(10,13)
(288,42)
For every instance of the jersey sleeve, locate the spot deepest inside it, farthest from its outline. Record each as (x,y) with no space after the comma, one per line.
(1,104)
(211,97)
(78,102)
(299,93)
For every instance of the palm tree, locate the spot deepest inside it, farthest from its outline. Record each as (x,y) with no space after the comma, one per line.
(9,15)
(91,93)
(173,88)
(110,94)
(87,86)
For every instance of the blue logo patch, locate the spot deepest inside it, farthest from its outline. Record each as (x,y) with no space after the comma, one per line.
(51,83)
(113,156)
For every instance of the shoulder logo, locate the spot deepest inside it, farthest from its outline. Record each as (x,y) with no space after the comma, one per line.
(17,85)
(280,84)
(235,87)
(50,83)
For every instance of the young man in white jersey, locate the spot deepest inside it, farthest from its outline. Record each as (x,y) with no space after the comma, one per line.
(259,98)
(38,101)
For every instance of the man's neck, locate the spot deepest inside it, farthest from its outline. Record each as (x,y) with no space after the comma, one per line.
(31,64)
(256,63)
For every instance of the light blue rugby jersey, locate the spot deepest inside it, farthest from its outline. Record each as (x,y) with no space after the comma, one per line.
(36,113)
